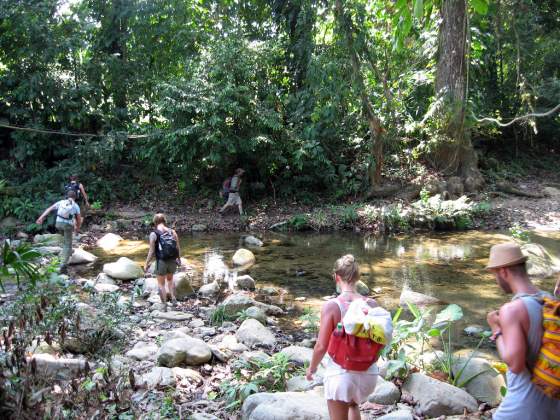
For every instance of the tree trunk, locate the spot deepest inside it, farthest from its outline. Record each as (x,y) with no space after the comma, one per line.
(457,155)
(375,129)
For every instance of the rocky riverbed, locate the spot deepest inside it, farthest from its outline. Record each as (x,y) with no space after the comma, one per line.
(198,359)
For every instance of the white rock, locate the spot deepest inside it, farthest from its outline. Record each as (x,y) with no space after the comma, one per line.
(474,330)
(183,288)
(486,383)
(252,332)
(229,342)
(123,269)
(419,299)
(385,393)
(158,376)
(190,351)
(245,282)
(256,313)
(171,315)
(243,257)
(109,241)
(49,250)
(143,351)
(187,375)
(105,288)
(298,354)
(49,239)
(80,256)
(298,384)
(252,241)
(103,278)
(210,289)
(285,406)
(436,398)
(236,303)
(541,263)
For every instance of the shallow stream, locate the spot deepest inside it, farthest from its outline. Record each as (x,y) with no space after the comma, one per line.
(447,266)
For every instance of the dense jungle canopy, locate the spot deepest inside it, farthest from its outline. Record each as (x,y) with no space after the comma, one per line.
(331,96)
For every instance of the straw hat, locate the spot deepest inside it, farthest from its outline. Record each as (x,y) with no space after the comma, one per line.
(505,255)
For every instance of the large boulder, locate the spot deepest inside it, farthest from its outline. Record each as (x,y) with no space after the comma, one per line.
(183,288)
(401,414)
(541,263)
(486,383)
(236,303)
(189,351)
(436,398)
(103,278)
(285,406)
(49,239)
(252,332)
(49,250)
(81,256)
(252,241)
(209,290)
(199,228)
(123,269)
(243,258)
(385,393)
(109,241)
(298,354)
(143,351)
(418,299)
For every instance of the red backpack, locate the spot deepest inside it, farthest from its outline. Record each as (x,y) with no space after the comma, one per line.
(351,352)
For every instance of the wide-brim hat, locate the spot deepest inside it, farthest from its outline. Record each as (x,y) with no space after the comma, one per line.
(505,255)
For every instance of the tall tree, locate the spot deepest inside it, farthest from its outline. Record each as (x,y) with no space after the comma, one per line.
(456,155)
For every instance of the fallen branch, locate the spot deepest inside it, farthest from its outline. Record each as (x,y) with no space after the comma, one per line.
(510,189)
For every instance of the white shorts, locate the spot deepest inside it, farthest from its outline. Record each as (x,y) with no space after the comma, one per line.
(233,199)
(350,387)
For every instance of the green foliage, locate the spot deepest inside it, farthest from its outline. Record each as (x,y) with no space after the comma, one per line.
(309,320)
(519,233)
(255,376)
(20,261)
(299,222)
(97,205)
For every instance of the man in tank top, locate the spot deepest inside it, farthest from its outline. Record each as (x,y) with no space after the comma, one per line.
(517,331)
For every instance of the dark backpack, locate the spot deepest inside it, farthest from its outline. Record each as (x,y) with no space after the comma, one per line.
(166,246)
(226,185)
(73,186)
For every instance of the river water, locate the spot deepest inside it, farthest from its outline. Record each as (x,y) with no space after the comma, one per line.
(447,266)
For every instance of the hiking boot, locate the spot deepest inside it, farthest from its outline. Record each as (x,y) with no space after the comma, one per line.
(63,269)
(164,306)
(174,302)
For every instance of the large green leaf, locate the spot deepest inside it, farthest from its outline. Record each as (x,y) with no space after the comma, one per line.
(450,314)
(480,6)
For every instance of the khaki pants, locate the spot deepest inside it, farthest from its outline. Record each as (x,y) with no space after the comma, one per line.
(67,230)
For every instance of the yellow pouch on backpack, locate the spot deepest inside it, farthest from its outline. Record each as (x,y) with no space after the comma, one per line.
(546,372)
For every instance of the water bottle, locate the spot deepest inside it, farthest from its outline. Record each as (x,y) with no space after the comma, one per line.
(338,330)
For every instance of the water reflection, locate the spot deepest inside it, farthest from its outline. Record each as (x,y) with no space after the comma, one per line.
(447,266)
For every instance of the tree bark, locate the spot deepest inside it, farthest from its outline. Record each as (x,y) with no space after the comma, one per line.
(457,156)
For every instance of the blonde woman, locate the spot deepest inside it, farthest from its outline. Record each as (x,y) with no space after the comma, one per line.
(344,389)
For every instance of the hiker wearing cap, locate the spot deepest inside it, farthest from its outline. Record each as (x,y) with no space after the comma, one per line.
(68,220)
(345,388)
(233,198)
(517,330)
(165,247)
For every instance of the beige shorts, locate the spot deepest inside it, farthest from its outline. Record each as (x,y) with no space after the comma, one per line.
(233,199)
(350,387)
